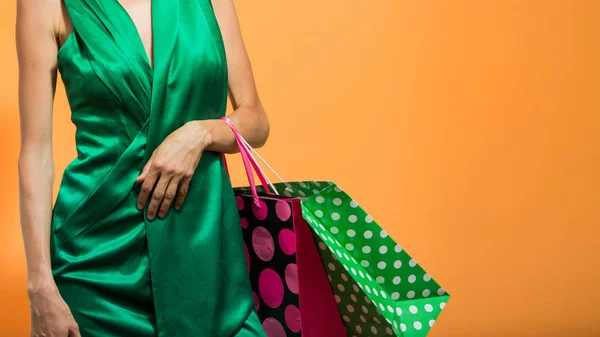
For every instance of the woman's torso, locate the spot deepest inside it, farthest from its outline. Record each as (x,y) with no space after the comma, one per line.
(123,108)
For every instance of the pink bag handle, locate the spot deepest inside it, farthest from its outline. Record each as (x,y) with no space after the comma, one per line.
(245,152)
(249,164)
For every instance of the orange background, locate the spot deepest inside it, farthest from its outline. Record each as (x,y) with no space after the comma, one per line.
(468,129)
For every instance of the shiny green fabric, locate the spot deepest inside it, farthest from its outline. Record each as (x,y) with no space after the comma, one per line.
(121,274)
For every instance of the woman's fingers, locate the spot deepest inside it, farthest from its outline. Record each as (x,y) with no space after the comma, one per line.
(74,331)
(145,169)
(184,183)
(165,183)
(147,186)
(170,194)
(158,194)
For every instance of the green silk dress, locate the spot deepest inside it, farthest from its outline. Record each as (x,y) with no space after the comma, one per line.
(184,275)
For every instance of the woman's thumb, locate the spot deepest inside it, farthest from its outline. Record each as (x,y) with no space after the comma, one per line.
(144,171)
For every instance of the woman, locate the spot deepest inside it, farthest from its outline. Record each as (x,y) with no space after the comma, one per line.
(144,237)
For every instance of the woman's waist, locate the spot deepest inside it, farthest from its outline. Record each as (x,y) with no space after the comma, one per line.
(104,185)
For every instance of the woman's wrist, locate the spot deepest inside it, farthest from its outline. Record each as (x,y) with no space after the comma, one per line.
(211,134)
(40,279)
(202,133)
(216,135)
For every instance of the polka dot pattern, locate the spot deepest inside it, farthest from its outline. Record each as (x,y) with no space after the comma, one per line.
(363,316)
(397,287)
(270,245)
(379,288)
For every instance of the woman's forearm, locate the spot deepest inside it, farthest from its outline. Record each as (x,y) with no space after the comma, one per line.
(251,122)
(36,178)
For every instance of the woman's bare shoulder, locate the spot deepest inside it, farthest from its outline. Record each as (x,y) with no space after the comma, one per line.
(42,19)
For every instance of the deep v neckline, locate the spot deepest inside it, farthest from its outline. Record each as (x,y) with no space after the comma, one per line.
(140,42)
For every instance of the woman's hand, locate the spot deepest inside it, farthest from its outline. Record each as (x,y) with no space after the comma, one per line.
(50,315)
(172,164)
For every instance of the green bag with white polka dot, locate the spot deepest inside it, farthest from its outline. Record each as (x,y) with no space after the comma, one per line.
(380,289)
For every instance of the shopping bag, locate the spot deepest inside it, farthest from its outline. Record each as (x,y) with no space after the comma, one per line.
(378,288)
(292,292)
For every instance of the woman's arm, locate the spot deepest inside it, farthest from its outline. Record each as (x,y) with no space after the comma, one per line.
(37,47)
(167,173)
(249,116)
(36,51)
